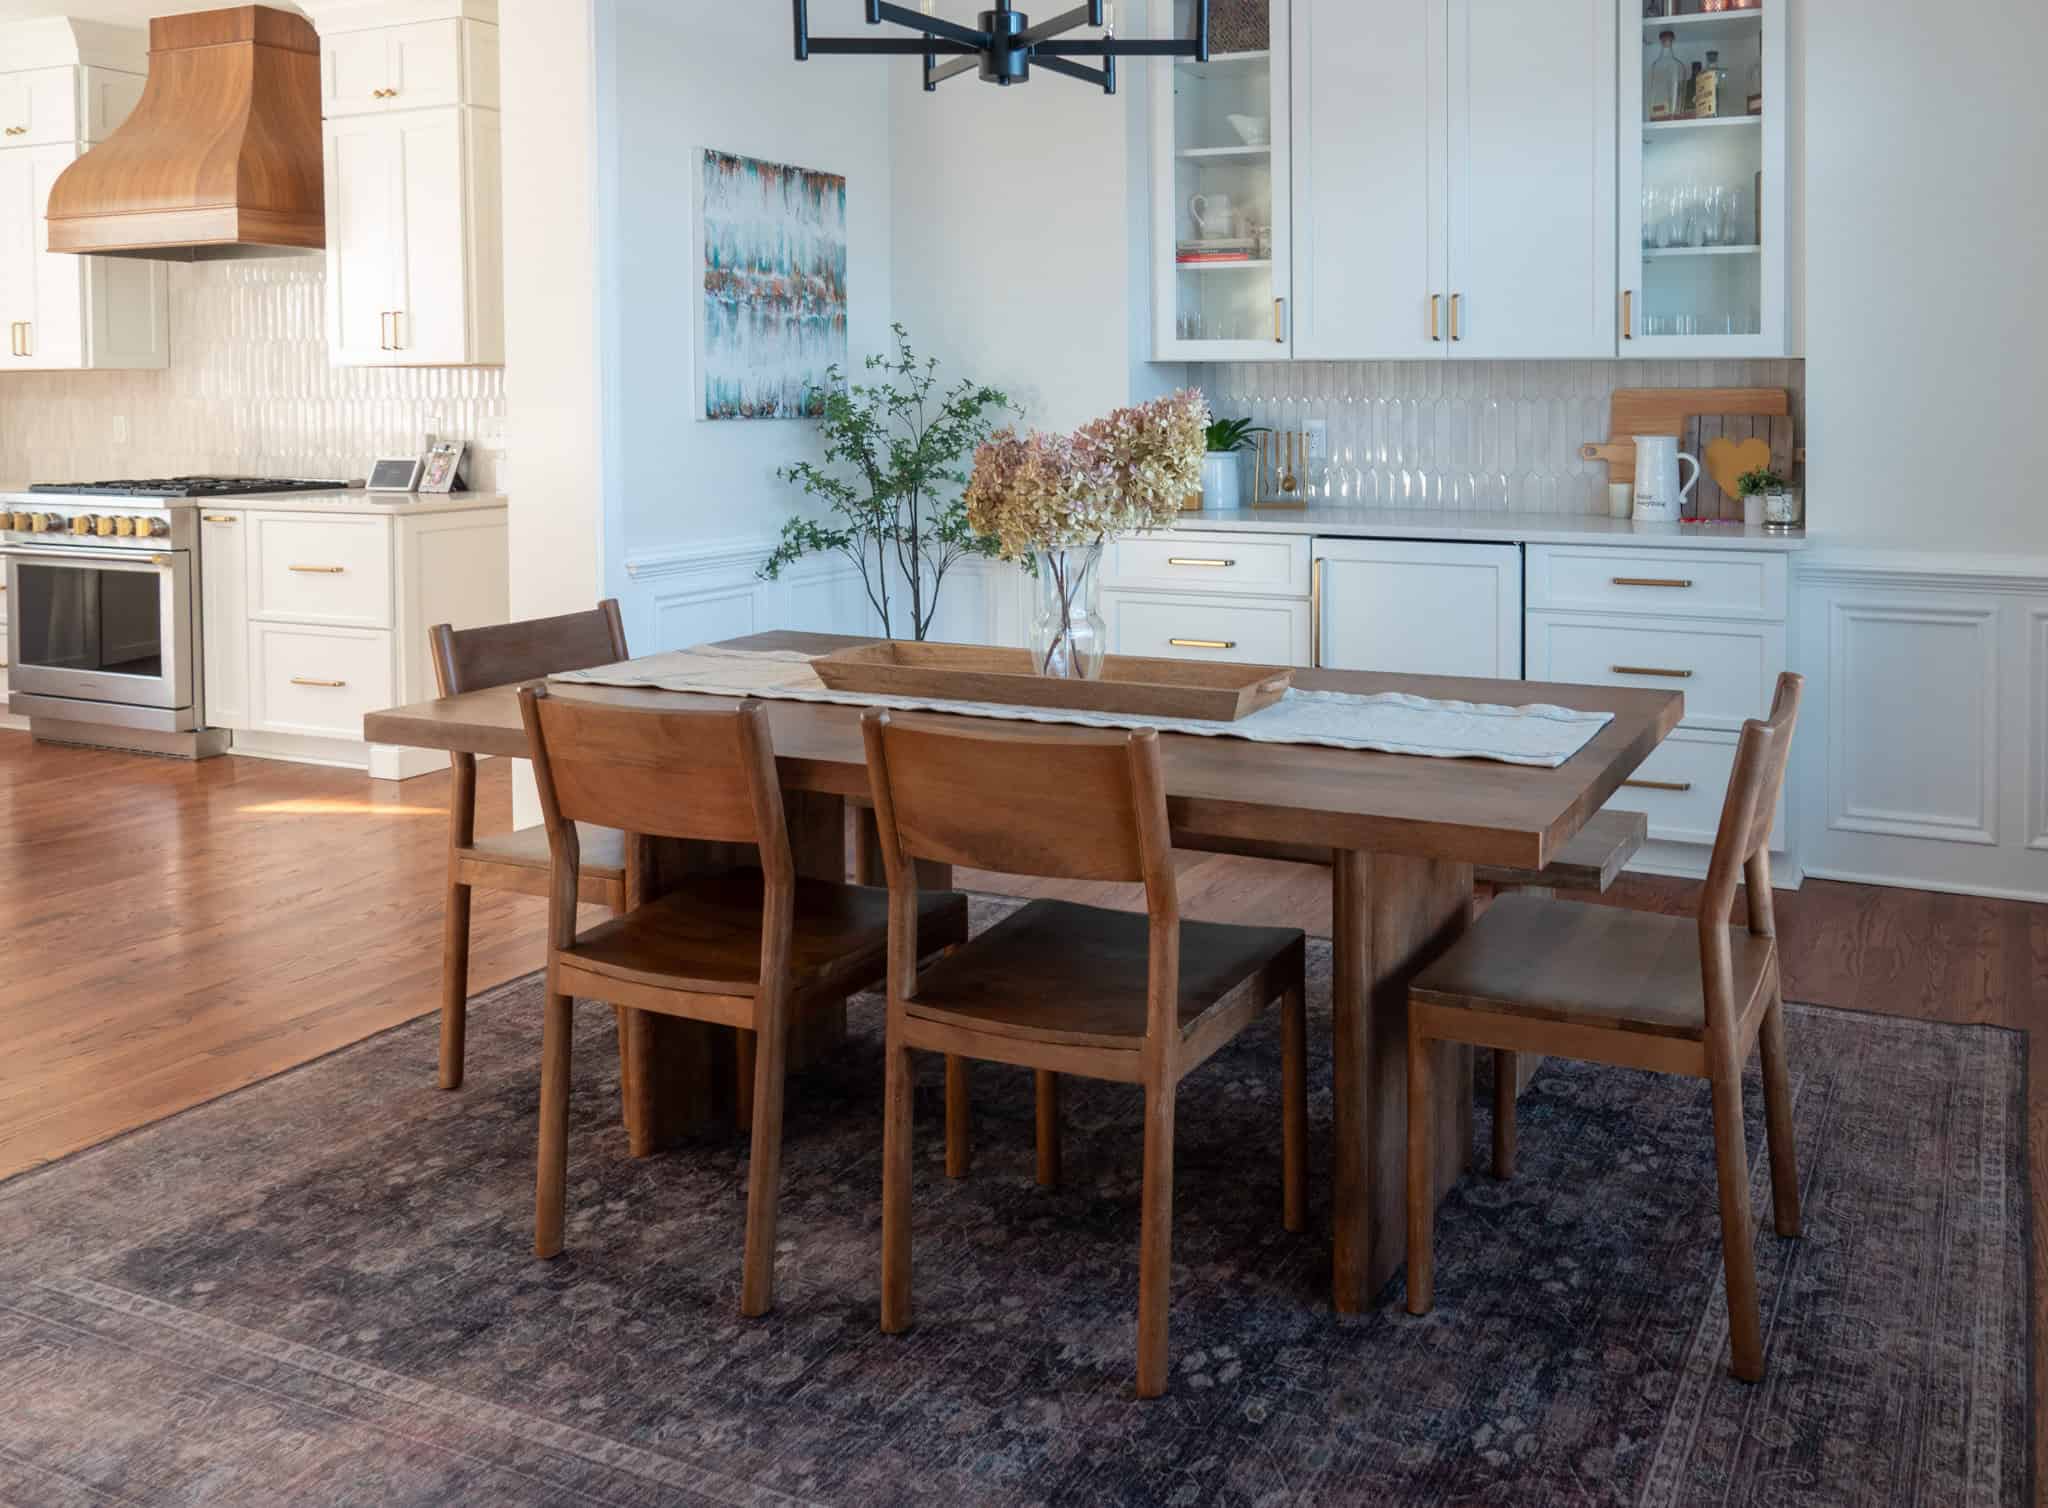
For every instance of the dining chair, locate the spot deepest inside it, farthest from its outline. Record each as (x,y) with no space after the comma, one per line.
(1062,988)
(746,947)
(471,659)
(1679,995)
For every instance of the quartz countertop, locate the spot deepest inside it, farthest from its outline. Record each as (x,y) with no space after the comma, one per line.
(353,500)
(1514,528)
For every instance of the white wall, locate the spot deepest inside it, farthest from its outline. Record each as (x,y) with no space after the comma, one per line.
(1927,146)
(1023,234)
(674,80)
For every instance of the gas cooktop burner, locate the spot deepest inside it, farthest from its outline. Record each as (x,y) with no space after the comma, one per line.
(187,486)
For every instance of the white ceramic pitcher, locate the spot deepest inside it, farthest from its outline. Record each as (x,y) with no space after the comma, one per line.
(1658,492)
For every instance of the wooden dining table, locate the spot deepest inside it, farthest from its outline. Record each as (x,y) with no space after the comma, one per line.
(1403,834)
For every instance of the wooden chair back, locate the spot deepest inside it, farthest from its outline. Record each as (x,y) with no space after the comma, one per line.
(469,659)
(704,772)
(1742,843)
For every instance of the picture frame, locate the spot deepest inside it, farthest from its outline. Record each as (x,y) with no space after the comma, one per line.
(443,467)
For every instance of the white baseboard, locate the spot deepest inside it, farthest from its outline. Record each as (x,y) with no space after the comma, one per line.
(1935,883)
(379,761)
(1688,861)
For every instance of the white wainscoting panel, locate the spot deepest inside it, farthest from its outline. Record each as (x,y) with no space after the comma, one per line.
(1913,725)
(1923,745)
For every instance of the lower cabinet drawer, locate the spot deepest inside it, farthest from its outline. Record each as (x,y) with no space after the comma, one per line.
(1183,560)
(1173,627)
(320,568)
(1681,788)
(317,682)
(1727,671)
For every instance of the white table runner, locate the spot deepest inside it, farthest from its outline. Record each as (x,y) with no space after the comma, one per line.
(1385,722)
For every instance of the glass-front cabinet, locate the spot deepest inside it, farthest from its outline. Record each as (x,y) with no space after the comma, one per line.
(1222,232)
(1703,178)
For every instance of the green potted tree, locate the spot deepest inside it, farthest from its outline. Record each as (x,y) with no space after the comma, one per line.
(1222,474)
(1755,486)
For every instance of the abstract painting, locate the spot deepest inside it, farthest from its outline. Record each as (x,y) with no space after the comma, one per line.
(772,318)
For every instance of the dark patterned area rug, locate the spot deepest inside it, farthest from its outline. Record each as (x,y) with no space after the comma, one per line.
(318,1291)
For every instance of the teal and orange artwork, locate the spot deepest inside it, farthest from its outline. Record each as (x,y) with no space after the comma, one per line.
(774,312)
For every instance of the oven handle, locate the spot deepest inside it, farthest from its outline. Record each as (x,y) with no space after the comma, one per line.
(135,560)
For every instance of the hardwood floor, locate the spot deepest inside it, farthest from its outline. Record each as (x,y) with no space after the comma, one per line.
(176,931)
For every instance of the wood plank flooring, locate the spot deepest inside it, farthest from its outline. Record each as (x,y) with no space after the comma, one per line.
(177,931)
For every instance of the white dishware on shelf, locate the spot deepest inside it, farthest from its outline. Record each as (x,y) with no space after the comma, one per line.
(1252,130)
(1621,500)
(1213,214)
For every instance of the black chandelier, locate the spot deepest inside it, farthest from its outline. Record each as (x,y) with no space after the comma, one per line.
(1006,45)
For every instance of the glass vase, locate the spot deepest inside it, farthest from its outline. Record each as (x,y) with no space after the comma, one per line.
(1068,636)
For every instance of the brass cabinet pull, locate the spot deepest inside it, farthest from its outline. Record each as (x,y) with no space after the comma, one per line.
(220,518)
(317,570)
(28,337)
(396,343)
(1679,786)
(1674,582)
(14,338)
(1315,614)
(1203,643)
(1279,321)
(383,329)
(1191,560)
(1628,314)
(1456,298)
(1436,310)
(300,680)
(1676,675)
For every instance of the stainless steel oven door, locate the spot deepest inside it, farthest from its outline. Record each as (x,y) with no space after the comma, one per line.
(110,626)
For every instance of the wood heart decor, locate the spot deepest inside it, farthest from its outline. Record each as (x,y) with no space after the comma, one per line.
(1727,461)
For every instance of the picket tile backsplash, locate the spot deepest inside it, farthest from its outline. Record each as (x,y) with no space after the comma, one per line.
(249,391)
(1470,436)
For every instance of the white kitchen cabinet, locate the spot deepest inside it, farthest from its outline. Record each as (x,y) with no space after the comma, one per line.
(1222,211)
(414,249)
(224,619)
(418,65)
(63,312)
(1454,165)
(1207,626)
(1419,607)
(1705,279)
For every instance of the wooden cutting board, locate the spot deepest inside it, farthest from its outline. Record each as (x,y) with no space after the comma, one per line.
(1698,417)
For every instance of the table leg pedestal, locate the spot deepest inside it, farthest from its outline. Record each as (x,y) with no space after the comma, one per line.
(1393,916)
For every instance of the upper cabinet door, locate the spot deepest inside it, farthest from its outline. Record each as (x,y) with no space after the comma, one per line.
(1370,179)
(1705,198)
(1222,231)
(431,305)
(1532,157)
(18,222)
(365,225)
(39,107)
(57,334)
(426,65)
(355,72)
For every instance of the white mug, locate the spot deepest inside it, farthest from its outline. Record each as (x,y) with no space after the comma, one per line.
(1212,214)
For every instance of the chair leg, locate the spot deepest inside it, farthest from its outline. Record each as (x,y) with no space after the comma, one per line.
(1745,1325)
(552,1179)
(1778,1119)
(746,1058)
(959,1138)
(1294,1107)
(454,984)
(1507,1078)
(896,1096)
(1048,1086)
(1421,1180)
(764,1163)
(637,1036)
(1155,1241)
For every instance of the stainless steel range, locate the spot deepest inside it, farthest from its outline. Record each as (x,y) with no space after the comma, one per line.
(103,630)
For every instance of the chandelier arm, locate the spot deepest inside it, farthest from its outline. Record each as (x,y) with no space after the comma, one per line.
(930,25)
(1081,15)
(1097,76)
(933,77)
(910,47)
(1116,47)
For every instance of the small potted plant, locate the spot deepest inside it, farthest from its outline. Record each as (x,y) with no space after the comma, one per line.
(1221,473)
(1755,486)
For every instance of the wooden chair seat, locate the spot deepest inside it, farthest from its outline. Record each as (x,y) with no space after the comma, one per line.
(1058,972)
(706,936)
(1584,965)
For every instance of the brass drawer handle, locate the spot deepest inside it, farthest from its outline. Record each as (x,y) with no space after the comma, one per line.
(1651,581)
(1191,560)
(1679,786)
(1676,675)
(1203,643)
(1456,299)
(1628,314)
(317,570)
(1279,321)
(219,518)
(300,680)
(1436,315)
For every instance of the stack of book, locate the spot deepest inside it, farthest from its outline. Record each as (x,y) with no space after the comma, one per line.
(1217,249)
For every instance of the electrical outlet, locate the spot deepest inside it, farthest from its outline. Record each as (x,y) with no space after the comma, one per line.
(491,434)
(1318,432)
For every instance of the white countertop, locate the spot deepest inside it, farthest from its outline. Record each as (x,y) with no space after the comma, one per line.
(1513,528)
(355,500)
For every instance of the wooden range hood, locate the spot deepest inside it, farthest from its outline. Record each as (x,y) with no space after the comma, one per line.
(221,158)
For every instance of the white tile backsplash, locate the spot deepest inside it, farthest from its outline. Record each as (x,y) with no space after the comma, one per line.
(249,391)
(1474,436)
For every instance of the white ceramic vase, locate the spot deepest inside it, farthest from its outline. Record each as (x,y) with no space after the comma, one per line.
(1221,481)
